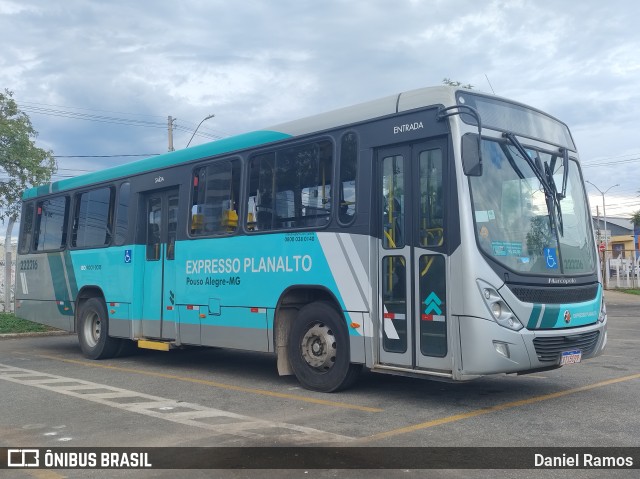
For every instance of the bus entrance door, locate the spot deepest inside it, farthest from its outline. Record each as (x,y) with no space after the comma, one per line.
(411,260)
(160,223)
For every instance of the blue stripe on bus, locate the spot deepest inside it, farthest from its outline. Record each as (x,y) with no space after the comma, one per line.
(556,316)
(533,318)
(63,301)
(226,145)
(209,268)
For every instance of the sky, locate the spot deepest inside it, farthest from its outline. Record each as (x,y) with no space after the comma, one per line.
(100,78)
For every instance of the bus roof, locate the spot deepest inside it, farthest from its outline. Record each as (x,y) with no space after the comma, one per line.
(324,121)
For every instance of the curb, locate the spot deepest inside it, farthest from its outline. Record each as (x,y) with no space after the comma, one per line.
(34,334)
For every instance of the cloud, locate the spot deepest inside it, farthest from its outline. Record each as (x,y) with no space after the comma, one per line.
(255,63)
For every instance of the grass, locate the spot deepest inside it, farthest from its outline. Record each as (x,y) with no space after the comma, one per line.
(10,324)
(631,291)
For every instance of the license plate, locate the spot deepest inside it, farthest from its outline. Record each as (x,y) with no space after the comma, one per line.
(570,357)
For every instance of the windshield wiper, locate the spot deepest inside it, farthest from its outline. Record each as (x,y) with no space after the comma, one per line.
(545,177)
(536,168)
(565,172)
(548,171)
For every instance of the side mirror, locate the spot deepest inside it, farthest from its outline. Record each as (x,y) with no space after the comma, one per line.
(471,154)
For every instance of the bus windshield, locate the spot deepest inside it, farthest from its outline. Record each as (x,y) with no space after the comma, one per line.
(517,227)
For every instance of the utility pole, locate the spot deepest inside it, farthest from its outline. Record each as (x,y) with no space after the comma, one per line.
(598,234)
(601,253)
(606,237)
(170,121)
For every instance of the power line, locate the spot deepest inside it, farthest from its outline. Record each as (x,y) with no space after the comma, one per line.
(68,112)
(87,109)
(611,157)
(90,117)
(617,162)
(212,136)
(72,113)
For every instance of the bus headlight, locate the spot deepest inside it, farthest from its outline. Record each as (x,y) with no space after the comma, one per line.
(500,311)
(602,317)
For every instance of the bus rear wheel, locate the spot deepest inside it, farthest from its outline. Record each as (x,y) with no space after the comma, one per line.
(319,349)
(93,331)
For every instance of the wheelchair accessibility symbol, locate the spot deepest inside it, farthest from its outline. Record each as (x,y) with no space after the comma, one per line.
(551,257)
(127,256)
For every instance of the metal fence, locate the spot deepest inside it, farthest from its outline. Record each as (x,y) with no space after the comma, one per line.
(4,284)
(622,272)
(7,283)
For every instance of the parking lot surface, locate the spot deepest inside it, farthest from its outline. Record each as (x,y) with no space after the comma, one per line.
(52,396)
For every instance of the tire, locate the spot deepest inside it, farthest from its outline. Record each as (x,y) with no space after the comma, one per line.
(319,349)
(93,331)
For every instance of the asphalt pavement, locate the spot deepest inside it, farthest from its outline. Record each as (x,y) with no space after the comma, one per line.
(53,397)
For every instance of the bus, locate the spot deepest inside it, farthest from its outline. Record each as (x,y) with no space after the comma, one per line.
(438,233)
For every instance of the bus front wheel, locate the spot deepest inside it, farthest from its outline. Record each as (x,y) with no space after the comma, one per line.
(319,349)
(93,331)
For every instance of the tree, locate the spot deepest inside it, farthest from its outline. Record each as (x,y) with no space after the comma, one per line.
(450,82)
(635,219)
(24,163)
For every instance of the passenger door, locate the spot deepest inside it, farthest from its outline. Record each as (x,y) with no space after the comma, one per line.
(411,261)
(160,226)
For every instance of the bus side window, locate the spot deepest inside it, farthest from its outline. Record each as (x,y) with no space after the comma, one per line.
(51,224)
(291,188)
(122,214)
(214,205)
(347,180)
(93,218)
(261,202)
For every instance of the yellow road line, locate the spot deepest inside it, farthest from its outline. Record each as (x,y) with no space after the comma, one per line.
(262,392)
(44,474)
(488,410)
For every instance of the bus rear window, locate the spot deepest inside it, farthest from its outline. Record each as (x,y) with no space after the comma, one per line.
(27,229)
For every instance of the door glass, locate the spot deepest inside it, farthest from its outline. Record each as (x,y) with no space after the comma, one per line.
(433,323)
(154,226)
(393,202)
(431,208)
(394,304)
(172,226)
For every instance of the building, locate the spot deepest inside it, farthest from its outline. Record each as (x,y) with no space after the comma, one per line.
(622,241)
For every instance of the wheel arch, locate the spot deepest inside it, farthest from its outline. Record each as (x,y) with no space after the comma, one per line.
(290,302)
(85,293)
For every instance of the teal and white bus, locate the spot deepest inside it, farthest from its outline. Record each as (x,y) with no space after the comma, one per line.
(435,233)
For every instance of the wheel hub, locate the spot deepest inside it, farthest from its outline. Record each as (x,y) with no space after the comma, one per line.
(93,328)
(319,347)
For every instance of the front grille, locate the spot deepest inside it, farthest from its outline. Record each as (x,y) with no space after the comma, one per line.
(556,294)
(548,348)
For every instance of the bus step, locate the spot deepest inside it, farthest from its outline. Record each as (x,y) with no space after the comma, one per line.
(157,345)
